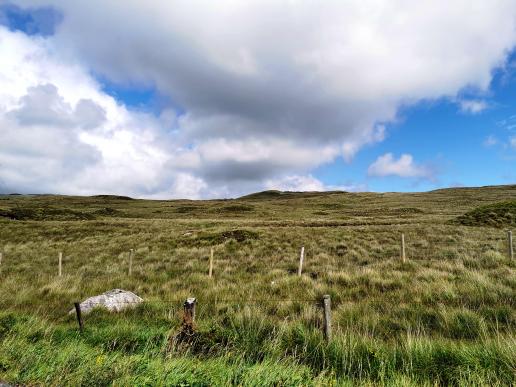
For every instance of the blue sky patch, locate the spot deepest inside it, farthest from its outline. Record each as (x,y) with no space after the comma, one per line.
(32,21)
(139,97)
(463,148)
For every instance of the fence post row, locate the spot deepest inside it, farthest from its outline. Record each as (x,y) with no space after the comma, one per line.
(510,250)
(403,256)
(210,270)
(60,264)
(190,304)
(131,253)
(78,313)
(301,259)
(327,316)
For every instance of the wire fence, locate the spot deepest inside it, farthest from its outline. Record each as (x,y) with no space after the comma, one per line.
(189,309)
(330,258)
(310,261)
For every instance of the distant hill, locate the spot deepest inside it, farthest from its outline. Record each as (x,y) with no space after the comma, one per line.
(112,197)
(474,189)
(275,194)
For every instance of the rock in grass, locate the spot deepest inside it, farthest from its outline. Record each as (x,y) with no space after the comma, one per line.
(114,300)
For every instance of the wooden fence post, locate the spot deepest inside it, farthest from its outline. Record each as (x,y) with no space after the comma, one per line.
(210,271)
(131,253)
(78,313)
(0,257)
(327,316)
(403,256)
(60,265)
(510,251)
(189,315)
(301,259)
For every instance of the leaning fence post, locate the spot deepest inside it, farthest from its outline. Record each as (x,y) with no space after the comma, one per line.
(327,316)
(189,315)
(301,258)
(131,253)
(60,265)
(403,257)
(79,317)
(210,271)
(510,251)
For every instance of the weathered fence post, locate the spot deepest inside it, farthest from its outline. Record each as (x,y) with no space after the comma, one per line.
(189,315)
(403,256)
(78,313)
(301,259)
(0,257)
(510,251)
(131,253)
(327,316)
(60,265)
(210,270)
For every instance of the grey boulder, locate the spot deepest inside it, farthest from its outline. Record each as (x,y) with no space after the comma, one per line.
(114,300)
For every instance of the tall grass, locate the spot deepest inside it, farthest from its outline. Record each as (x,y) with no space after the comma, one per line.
(447,316)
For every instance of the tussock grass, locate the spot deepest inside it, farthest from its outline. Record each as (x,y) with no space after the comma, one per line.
(447,316)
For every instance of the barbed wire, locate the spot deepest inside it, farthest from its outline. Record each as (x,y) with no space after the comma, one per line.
(63,312)
(208,300)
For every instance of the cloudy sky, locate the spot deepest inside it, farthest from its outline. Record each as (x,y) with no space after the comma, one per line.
(204,99)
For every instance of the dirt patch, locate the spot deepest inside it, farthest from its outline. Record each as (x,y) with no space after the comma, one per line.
(186,209)
(107,211)
(207,239)
(406,211)
(239,235)
(333,206)
(233,209)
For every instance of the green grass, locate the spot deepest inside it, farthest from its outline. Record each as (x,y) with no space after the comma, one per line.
(447,316)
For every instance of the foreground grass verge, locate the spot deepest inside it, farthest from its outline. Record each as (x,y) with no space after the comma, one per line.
(33,352)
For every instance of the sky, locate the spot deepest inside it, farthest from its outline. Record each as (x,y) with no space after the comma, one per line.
(195,99)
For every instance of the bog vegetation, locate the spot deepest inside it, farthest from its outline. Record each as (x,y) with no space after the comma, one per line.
(445,316)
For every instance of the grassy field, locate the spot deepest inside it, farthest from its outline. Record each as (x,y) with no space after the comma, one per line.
(446,316)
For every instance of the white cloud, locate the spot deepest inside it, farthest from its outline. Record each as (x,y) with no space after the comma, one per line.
(300,183)
(490,141)
(267,89)
(78,140)
(512,142)
(60,133)
(42,105)
(387,165)
(296,183)
(508,123)
(472,106)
